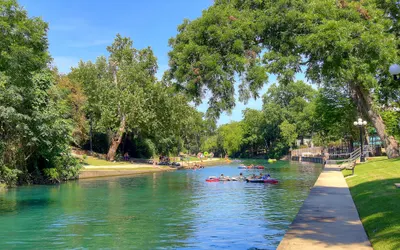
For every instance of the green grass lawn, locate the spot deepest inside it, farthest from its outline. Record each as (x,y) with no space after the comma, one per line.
(99,162)
(378,200)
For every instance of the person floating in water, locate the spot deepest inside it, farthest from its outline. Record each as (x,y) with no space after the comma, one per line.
(266,177)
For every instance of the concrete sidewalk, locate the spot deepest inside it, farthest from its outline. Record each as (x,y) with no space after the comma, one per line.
(328,218)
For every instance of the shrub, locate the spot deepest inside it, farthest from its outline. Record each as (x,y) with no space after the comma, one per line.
(65,167)
(52,174)
(9,176)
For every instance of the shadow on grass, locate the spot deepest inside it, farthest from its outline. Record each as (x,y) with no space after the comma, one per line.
(348,174)
(378,204)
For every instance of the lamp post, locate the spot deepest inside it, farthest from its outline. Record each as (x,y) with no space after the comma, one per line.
(394,70)
(360,123)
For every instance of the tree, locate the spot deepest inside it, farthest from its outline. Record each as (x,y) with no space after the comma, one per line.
(34,134)
(334,115)
(232,137)
(288,132)
(253,124)
(295,101)
(119,87)
(73,99)
(344,44)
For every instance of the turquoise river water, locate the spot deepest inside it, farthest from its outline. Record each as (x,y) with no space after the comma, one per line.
(173,210)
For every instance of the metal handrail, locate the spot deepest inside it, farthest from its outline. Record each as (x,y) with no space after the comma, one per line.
(353,156)
(350,154)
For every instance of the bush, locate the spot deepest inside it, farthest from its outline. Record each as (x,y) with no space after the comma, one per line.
(9,176)
(84,156)
(52,174)
(65,167)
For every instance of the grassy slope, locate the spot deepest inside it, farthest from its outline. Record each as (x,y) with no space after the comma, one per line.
(378,200)
(99,162)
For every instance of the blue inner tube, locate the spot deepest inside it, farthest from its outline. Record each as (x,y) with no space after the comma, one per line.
(272,181)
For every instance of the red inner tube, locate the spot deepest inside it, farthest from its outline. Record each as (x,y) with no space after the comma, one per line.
(212,180)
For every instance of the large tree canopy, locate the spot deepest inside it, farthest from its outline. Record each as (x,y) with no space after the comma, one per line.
(119,88)
(343,43)
(125,97)
(34,133)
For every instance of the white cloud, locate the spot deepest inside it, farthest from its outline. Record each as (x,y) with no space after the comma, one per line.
(64,63)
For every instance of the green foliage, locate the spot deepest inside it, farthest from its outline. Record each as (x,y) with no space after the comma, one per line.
(211,144)
(52,174)
(210,51)
(377,200)
(65,168)
(73,103)
(231,136)
(124,97)
(392,121)
(254,125)
(8,176)
(289,114)
(342,44)
(334,116)
(34,130)
(288,132)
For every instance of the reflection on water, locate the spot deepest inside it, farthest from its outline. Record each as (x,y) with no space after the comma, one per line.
(157,211)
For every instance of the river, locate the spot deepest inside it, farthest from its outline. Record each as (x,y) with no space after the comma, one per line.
(172,210)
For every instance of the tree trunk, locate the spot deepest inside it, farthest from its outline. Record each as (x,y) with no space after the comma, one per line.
(116,140)
(351,147)
(365,101)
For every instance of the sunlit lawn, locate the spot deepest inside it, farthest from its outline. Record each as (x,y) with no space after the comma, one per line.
(99,162)
(378,200)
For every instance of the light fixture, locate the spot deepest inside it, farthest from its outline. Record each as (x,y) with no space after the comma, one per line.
(394,70)
(360,123)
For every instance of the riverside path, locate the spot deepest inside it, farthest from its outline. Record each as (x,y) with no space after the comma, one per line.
(328,218)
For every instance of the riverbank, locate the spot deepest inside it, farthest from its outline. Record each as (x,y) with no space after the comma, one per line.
(125,168)
(96,171)
(378,200)
(208,162)
(328,218)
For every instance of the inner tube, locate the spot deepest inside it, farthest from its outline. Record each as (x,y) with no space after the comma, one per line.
(271,181)
(212,180)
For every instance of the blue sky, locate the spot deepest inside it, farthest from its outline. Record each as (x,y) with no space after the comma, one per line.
(81,29)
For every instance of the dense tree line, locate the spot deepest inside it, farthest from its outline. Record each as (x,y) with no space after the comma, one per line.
(34,129)
(114,99)
(343,46)
(116,104)
(291,113)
